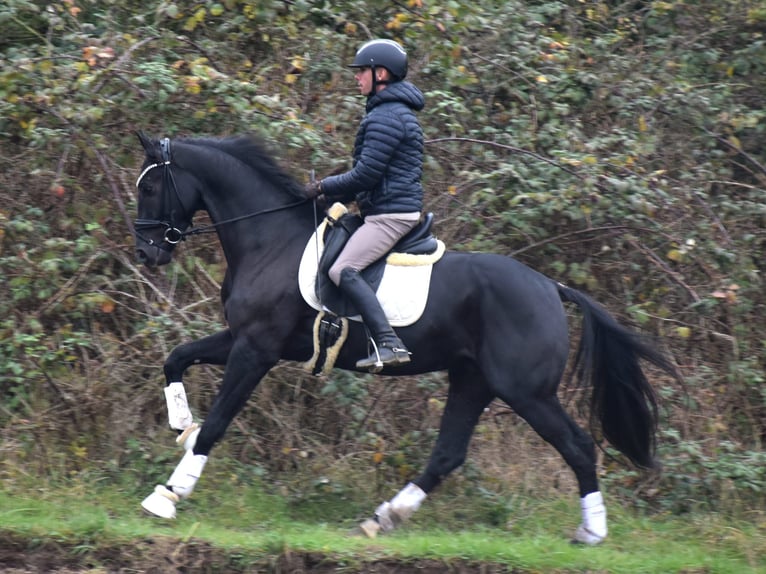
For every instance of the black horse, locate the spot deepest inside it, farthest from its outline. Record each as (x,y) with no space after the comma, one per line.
(496,326)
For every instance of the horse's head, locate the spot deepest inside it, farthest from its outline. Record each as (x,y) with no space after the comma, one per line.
(164,212)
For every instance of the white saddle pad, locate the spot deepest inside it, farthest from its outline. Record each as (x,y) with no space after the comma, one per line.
(403,290)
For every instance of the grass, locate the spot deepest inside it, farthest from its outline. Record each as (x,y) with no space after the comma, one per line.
(248,522)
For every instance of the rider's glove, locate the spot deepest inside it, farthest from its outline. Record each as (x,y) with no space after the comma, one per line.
(313,189)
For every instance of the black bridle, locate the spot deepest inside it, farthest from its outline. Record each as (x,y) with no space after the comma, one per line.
(173,234)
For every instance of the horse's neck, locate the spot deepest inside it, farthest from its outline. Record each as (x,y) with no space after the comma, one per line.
(251,226)
(265,240)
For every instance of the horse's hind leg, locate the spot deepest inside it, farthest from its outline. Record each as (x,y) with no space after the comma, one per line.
(467,398)
(546,416)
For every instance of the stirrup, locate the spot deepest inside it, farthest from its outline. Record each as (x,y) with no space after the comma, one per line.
(395,354)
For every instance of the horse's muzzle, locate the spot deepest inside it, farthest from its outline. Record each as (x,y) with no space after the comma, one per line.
(152,256)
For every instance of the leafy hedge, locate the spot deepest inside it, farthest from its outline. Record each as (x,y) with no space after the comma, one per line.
(616,146)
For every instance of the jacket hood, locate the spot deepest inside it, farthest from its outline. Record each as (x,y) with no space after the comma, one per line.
(403,92)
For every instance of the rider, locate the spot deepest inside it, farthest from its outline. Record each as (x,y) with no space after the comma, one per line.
(385,183)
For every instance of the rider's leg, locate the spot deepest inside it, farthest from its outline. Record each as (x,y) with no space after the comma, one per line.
(389,350)
(374,239)
(370,242)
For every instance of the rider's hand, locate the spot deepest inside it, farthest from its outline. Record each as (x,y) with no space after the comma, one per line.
(313,189)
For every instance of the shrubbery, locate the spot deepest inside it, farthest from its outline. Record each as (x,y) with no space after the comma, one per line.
(614,146)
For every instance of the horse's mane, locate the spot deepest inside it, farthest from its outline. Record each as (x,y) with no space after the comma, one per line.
(252,151)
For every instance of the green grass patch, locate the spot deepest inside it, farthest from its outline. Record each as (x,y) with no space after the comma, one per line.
(248,524)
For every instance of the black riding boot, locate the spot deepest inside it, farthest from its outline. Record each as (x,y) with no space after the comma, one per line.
(389,349)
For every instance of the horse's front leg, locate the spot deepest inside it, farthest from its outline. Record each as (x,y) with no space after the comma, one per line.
(211,350)
(245,368)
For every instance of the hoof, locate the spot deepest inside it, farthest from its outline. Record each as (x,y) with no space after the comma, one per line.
(370,528)
(585,536)
(161,503)
(188,438)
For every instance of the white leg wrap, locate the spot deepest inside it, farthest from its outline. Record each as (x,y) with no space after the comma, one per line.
(401,507)
(187,473)
(179,414)
(407,501)
(593,528)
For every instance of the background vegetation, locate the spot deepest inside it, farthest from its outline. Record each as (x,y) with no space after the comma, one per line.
(615,146)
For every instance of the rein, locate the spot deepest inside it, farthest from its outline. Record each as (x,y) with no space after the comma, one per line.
(212,227)
(173,234)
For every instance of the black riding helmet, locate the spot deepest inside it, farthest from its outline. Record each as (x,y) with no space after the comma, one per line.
(384,53)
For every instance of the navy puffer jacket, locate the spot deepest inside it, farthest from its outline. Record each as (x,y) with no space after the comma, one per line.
(388,156)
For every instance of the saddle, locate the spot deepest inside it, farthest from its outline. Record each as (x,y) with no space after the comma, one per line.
(341,226)
(401,281)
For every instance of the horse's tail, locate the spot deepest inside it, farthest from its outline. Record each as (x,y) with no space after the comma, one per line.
(622,400)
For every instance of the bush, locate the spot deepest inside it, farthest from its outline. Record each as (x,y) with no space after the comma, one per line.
(613,146)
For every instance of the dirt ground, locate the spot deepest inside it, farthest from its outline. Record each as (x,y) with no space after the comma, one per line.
(165,556)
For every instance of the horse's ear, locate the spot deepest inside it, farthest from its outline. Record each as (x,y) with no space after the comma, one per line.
(150,146)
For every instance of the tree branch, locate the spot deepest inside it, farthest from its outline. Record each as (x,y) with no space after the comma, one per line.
(510,148)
